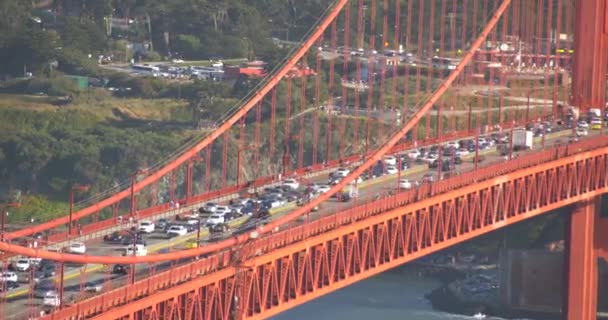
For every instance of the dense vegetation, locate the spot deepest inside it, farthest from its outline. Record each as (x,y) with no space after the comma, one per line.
(99,139)
(34,39)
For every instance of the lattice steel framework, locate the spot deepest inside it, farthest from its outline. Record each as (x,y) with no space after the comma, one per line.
(289,268)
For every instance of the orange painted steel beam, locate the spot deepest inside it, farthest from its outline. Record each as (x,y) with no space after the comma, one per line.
(188,154)
(251,103)
(371,160)
(277,274)
(470,179)
(582,260)
(590,54)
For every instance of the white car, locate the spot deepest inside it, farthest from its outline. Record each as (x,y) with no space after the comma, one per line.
(414,154)
(323,188)
(8,276)
(276,202)
(222,210)
(391,170)
(22,265)
(140,251)
(461,152)
(216,219)
(430,158)
(93,287)
(177,230)
(452,144)
(405,184)
(293,184)
(78,248)
(51,300)
(340,173)
(192,222)
(581,132)
(582,124)
(210,207)
(390,160)
(146,226)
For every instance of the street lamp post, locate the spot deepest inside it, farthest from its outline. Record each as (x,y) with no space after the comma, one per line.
(4,214)
(73,189)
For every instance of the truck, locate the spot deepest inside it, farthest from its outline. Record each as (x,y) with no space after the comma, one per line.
(522,139)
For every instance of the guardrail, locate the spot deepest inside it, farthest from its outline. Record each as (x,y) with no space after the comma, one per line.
(222,261)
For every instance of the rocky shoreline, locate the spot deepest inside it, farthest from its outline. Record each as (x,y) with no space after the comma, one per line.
(456,296)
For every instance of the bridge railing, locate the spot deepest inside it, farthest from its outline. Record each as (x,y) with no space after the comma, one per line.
(223,260)
(345,217)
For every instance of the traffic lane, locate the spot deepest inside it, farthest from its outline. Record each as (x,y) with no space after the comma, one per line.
(20,307)
(156,239)
(379,187)
(416,173)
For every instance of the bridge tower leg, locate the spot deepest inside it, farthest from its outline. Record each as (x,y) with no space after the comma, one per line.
(587,242)
(590,54)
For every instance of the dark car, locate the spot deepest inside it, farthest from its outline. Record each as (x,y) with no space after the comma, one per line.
(120,269)
(8,285)
(129,238)
(115,237)
(162,224)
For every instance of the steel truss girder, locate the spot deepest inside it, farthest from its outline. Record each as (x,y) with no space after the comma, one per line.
(297,265)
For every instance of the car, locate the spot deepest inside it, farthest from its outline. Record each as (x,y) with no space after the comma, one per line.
(113,237)
(161,224)
(8,285)
(93,287)
(77,248)
(581,132)
(452,144)
(392,170)
(274,202)
(209,207)
(430,158)
(51,300)
(222,210)
(390,160)
(237,208)
(596,124)
(334,181)
(177,230)
(21,265)
(40,275)
(414,154)
(461,152)
(219,228)
(340,172)
(582,124)
(129,238)
(215,219)
(44,287)
(8,276)
(405,184)
(140,251)
(146,226)
(120,269)
(292,184)
(323,188)
(239,201)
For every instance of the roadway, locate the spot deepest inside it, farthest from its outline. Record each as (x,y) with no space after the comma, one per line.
(18,301)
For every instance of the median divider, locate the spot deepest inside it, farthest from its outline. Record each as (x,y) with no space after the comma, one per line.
(240,221)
